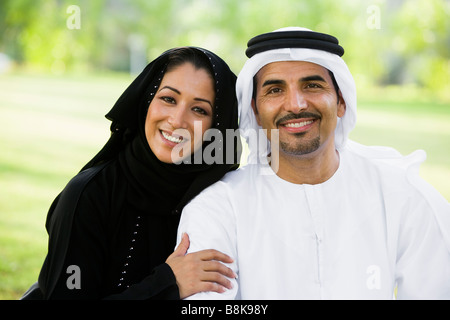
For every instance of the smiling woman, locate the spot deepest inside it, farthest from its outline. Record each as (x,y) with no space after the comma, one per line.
(116,221)
(185,100)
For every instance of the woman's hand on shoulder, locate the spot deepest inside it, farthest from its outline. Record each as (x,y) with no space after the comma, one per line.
(200,271)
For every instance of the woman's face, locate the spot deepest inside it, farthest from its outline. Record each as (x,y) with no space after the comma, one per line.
(180,112)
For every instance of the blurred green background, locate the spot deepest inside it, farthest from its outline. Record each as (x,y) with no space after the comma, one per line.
(64,63)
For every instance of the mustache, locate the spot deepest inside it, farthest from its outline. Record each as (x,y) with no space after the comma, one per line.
(295,116)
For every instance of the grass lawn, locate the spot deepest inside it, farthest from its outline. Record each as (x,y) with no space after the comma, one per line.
(50,127)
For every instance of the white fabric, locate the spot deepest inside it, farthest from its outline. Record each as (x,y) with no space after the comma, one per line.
(332,62)
(374,225)
(258,151)
(367,229)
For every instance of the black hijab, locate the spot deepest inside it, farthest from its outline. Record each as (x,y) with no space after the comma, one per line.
(174,184)
(153,187)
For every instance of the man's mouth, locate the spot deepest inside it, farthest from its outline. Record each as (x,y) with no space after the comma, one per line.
(297,120)
(172,138)
(297,124)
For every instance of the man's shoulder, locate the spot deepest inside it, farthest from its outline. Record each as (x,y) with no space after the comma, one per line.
(385,159)
(242,176)
(232,185)
(385,166)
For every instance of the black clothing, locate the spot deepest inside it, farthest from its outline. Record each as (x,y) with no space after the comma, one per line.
(106,222)
(117,220)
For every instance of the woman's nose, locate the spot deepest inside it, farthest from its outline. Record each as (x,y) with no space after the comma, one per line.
(177,119)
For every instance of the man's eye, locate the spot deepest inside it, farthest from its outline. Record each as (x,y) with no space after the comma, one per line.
(274,90)
(313,86)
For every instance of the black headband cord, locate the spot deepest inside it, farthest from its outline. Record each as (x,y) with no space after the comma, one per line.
(293,39)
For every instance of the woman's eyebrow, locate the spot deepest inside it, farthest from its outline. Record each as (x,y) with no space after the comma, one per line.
(204,100)
(170,88)
(178,92)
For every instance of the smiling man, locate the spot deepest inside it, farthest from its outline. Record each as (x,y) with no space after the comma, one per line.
(337,220)
(299,99)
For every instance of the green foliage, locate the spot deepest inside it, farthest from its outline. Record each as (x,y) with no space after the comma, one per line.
(410,44)
(49,128)
(50,125)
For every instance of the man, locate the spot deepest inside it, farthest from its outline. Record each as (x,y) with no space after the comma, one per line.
(333,219)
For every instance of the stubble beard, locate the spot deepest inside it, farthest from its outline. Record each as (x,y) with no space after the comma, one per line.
(300,147)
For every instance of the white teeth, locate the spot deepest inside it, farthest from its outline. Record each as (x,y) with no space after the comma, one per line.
(170,138)
(298,124)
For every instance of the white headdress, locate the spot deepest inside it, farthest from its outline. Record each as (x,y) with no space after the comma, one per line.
(330,61)
(308,46)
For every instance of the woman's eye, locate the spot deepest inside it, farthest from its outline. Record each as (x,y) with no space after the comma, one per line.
(200,110)
(168,100)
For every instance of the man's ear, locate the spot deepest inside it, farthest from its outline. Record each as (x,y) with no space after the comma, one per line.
(341,106)
(255,111)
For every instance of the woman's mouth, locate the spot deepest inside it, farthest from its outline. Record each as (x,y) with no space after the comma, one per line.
(172,138)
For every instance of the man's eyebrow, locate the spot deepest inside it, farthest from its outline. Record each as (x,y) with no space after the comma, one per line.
(304,79)
(271,82)
(312,78)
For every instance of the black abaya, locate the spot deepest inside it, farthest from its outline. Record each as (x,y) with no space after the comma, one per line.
(116,221)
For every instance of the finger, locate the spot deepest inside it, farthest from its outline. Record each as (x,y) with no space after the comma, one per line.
(218,278)
(182,247)
(214,266)
(212,254)
(211,287)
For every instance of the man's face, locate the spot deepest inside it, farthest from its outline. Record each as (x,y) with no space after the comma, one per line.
(299,99)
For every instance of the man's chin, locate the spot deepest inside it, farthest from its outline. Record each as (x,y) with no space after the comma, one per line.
(300,149)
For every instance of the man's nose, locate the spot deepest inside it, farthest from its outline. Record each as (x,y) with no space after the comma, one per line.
(296,101)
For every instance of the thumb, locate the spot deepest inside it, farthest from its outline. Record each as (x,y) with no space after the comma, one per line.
(183,246)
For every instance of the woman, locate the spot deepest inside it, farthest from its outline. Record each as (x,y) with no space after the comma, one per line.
(113,228)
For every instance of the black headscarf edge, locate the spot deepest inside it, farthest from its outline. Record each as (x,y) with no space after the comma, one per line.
(125,117)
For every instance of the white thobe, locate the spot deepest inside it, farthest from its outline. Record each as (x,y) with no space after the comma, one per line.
(360,234)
